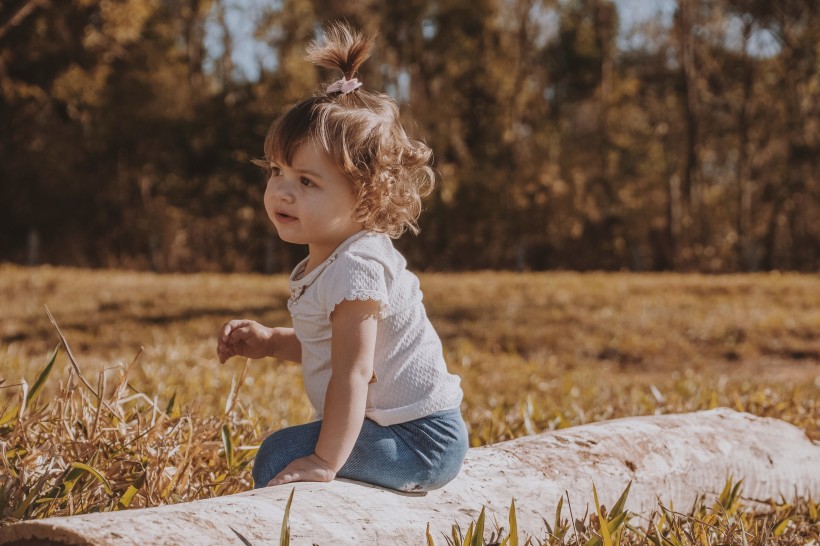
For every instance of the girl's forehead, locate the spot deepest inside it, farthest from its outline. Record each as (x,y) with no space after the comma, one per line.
(310,153)
(290,151)
(311,157)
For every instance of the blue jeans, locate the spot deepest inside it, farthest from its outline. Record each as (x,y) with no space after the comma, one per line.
(418,455)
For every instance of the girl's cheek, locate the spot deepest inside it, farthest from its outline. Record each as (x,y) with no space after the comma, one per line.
(268,200)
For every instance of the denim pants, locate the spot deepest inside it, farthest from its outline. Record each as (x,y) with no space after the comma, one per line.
(418,455)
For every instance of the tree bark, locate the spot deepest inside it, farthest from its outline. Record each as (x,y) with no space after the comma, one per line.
(746,259)
(689,203)
(672,459)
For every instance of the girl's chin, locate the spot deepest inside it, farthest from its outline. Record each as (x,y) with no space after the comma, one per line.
(289,237)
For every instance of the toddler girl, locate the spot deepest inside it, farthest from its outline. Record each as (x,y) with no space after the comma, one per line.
(344,179)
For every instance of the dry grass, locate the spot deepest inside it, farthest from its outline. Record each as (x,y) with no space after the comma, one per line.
(535,352)
(726,521)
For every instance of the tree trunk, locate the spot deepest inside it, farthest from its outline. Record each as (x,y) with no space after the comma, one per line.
(745,244)
(691,213)
(672,459)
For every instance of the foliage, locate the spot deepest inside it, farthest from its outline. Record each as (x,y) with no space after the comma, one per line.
(535,352)
(566,135)
(783,523)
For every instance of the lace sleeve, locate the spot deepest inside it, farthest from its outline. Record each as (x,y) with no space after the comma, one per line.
(352,277)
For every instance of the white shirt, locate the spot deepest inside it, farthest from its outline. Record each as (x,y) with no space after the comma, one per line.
(411,376)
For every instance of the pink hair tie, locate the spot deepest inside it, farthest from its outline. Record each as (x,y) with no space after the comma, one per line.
(343,86)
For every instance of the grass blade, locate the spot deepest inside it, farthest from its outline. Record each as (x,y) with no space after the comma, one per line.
(24,403)
(478,537)
(734,498)
(607,538)
(619,505)
(468,536)
(513,525)
(781,526)
(94,472)
(555,529)
(8,416)
(244,540)
(70,354)
(21,510)
(615,523)
(284,534)
(133,489)
(69,482)
(169,409)
(227,442)
(41,379)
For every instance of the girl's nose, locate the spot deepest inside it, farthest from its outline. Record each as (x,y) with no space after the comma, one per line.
(282,189)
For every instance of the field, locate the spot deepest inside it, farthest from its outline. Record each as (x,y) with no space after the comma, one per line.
(535,352)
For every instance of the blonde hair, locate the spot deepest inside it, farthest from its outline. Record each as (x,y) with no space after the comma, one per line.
(361,132)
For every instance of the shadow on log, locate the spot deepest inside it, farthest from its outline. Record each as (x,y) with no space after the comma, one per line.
(669,458)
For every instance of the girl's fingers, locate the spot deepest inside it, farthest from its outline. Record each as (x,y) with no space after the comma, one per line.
(232,325)
(225,351)
(284,478)
(233,333)
(241,333)
(225,331)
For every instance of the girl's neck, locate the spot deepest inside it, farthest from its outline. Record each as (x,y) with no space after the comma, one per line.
(320,253)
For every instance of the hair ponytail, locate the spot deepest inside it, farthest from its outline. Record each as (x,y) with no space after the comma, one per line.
(344,48)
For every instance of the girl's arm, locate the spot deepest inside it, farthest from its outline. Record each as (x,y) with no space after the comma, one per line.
(284,345)
(250,339)
(353,346)
(352,351)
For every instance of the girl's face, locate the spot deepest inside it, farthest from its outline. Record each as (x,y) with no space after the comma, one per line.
(311,202)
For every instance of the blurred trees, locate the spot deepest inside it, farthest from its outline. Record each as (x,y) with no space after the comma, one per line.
(563,140)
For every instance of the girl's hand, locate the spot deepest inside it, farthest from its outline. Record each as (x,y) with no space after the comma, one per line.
(245,338)
(306,469)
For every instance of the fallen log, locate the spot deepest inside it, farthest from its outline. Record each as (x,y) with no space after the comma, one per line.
(670,458)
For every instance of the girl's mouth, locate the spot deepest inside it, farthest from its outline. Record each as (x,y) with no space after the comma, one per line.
(284,218)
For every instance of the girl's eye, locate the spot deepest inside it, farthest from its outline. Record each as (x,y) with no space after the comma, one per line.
(306,182)
(275,171)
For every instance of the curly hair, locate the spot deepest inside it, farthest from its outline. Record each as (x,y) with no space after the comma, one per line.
(361,131)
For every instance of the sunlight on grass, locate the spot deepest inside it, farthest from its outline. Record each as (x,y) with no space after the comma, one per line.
(535,352)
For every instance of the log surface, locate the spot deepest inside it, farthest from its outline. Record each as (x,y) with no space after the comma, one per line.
(669,458)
